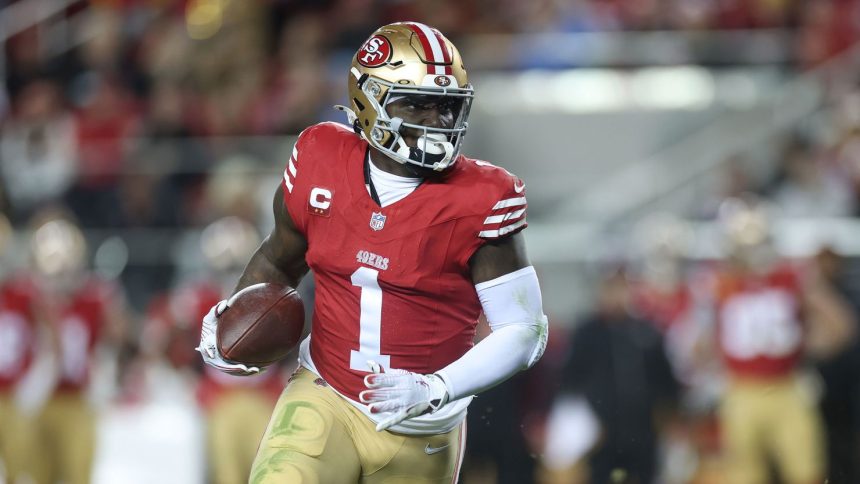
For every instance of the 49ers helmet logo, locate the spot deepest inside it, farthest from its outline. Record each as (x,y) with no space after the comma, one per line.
(443,81)
(375,52)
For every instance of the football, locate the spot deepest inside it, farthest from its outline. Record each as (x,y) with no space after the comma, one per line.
(262,325)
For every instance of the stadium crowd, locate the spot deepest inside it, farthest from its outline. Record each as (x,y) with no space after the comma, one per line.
(165,118)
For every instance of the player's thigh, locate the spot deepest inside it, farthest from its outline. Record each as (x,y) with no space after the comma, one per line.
(797,438)
(77,440)
(307,440)
(17,435)
(389,458)
(741,425)
(236,424)
(222,443)
(67,439)
(8,416)
(250,415)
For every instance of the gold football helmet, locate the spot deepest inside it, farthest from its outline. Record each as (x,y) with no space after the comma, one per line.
(58,247)
(745,220)
(408,59)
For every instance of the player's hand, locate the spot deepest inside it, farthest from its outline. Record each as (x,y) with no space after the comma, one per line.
(208,346)
(402,393)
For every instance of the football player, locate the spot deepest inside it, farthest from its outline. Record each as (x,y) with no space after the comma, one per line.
(409,240)
(237,408)
(769,313)
(83,311)
(19,328)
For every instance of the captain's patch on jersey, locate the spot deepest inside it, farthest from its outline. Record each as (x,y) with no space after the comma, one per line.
(377,221)
(319,202)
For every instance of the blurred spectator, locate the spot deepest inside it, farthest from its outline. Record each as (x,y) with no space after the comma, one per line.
(840,372)
(37,149)
(296,87)
(618,363)
(847,153)
(808,187)
(84,313)
(106,119)
(170,155)
(146,210)
(826,29)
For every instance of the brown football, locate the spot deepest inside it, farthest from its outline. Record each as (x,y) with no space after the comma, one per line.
(262,325)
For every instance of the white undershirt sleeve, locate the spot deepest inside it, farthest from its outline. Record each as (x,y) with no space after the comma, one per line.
(513,307)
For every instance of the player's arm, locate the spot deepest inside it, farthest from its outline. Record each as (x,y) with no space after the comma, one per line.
(280,259)
(508,289)
(510,296)
(831,326)
(117,322)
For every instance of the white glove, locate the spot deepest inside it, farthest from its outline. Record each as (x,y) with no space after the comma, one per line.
(402,392)
(208,346)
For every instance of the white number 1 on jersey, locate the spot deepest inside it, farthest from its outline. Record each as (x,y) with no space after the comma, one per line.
(370,332)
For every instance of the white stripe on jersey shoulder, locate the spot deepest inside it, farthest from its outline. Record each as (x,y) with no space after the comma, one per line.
(290,172)
(510,202)
(288,182)
(502,231)
(494,219)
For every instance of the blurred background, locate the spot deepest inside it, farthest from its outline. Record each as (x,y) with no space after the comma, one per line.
(693,177)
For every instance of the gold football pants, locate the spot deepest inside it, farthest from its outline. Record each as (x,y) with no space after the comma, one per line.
(316,437)
(236,423)
(774,419)
(16,439)
(66,438)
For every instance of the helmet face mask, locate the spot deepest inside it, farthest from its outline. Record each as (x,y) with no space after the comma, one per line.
(396,64)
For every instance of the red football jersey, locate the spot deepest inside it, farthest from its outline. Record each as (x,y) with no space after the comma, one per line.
(174,319)
(392,284)
(80,322)
(759,326)
(17,329)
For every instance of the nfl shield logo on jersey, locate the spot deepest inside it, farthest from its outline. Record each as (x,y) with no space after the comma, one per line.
(377,221)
